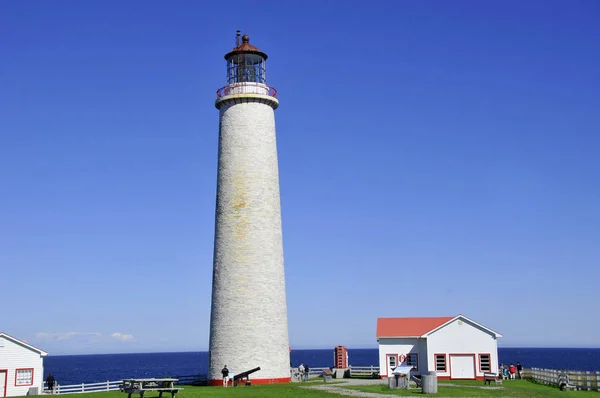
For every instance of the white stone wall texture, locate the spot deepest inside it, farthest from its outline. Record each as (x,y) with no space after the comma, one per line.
(249,311)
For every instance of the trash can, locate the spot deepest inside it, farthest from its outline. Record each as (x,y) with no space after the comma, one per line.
(429,383)
(403,381)
(393,381)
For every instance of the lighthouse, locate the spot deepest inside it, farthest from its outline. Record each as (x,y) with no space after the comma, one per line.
(248,320)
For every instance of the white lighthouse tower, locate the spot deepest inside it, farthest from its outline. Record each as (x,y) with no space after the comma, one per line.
(248,321)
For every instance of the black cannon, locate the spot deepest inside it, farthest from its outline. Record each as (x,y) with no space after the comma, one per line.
(244,375)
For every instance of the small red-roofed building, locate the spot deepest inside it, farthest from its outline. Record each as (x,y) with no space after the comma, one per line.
(454,347)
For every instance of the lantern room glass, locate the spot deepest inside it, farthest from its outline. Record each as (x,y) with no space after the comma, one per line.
(245,67)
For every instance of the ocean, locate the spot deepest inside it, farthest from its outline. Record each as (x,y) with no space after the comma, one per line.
(75,369)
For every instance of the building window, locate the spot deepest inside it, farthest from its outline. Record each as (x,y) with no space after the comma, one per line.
(392,361)
(440,362)
(485,363)
(412,360)
(24,377)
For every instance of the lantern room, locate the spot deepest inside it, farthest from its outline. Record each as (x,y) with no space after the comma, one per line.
(246,63)
(247,73)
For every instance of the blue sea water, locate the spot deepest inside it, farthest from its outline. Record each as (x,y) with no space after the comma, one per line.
(73,369)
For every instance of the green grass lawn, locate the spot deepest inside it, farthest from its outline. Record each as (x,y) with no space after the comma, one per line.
(513,388)
(472,388)
(272,390)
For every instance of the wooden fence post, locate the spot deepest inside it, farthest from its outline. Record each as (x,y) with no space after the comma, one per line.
(589,378)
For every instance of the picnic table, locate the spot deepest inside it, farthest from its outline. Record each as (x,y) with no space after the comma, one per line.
(140,386)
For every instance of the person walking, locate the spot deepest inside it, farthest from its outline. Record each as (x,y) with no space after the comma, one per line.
(519,370)
(306,369)
(50,381)
(225,373)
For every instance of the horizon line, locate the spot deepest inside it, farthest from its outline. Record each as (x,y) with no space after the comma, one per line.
(306,349)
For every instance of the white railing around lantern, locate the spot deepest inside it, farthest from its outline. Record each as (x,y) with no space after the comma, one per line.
(247,88)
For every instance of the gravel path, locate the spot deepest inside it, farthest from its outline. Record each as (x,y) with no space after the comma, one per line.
(340,390)
(350,393)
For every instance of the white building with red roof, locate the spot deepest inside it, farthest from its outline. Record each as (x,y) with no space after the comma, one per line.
(454,347)
(21,367)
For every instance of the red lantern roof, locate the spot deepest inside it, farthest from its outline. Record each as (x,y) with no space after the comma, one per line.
(245,48)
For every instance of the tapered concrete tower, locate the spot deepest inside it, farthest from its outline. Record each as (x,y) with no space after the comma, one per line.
(248,320)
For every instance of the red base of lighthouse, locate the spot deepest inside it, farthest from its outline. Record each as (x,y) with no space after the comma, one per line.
(219,382)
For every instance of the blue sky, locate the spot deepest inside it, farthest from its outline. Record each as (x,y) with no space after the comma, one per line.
(442,151)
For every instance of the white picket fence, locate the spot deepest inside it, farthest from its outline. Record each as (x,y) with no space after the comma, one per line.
(84,387)
(190,380)
(354,371)
(583,380)
(364,371)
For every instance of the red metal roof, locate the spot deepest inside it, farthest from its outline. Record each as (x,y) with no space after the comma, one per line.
(246,47)
(408,327)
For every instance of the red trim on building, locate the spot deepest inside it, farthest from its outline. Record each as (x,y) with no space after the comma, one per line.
(479,359)
(387,363)
(445,362)
(24,385)
(5,371)
(450,355)
(448,378)
(219,382)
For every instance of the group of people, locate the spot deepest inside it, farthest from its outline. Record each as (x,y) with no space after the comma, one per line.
(303,372)
(511,371)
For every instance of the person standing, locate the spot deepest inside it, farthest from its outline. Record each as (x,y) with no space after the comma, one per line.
(519,370)
(225,373)
(512,370)
(301,371)
(306,369)
(50,381)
